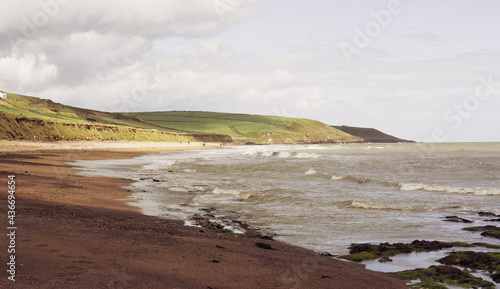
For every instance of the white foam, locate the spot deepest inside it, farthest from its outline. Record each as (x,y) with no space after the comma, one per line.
(190,223)
(268,153)
(310,172)
(404,186)
(236,193)
(335,177)
(284,154)
(159,165)
(357,204)
(350,178)
(178,189)
(250,152)
(307,156)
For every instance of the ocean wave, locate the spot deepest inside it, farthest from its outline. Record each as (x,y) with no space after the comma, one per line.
(280,154)
(404,186)
(307,156)
(377,147)
(268,153)
(159,165)
(310,172)
(284,154)
(229,192)
(351,179)
(336,178)
(218,197)
(250,152)
(363,205)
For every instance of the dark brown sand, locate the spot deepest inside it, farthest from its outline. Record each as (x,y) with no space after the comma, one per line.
(77,232)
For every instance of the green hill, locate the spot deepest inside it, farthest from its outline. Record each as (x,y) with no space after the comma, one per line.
(32,118)
(244,127)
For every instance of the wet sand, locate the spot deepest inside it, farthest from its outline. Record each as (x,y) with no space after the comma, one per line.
(78,232)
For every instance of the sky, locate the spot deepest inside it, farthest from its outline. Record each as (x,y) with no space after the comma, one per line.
(423,70)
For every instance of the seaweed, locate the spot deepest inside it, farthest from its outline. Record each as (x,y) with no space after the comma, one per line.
(437,276)
(362,252)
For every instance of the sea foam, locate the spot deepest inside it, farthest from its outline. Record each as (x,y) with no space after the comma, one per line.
(404,186)
(363,205)
(236,193)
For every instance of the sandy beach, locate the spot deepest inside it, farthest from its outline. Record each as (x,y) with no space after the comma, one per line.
(78,232)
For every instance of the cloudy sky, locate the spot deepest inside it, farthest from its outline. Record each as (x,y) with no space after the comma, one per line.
(424,70)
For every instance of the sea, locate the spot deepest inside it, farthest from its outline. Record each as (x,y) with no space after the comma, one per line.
(323,196)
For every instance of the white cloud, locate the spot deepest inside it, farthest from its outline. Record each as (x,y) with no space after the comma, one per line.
(282,76)
(85,40)
(27,70)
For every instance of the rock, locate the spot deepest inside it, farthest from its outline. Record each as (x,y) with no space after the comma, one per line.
(430,245)
(435,276)
(493,220)
(404,248)
(487,214)
(360,252)
(385,259)
(492,234)
(357,248)
(487,231)
(264,246)
(456,219)
(496,277)
(208,210)
(326,254)
(471,259)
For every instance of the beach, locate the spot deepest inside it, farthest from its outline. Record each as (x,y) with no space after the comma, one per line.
(78,232)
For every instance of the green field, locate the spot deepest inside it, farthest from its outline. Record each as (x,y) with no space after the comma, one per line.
(244,127)
(58,121)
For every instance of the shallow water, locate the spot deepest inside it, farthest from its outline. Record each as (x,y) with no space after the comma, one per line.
(324,197)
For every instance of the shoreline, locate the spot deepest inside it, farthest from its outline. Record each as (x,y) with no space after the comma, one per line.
(71,234)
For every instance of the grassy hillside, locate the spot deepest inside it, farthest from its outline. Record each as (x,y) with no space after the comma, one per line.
(244,127)
(29,118)
(370,134)
(32,118)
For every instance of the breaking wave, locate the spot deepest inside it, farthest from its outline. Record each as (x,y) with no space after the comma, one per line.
(310,172)
(236,193)
(307,156)
(350,179)
(280,154)
(159,165)
(445,189)
(363,205)
(219,196)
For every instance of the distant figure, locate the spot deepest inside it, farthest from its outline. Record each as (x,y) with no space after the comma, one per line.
(203,144)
